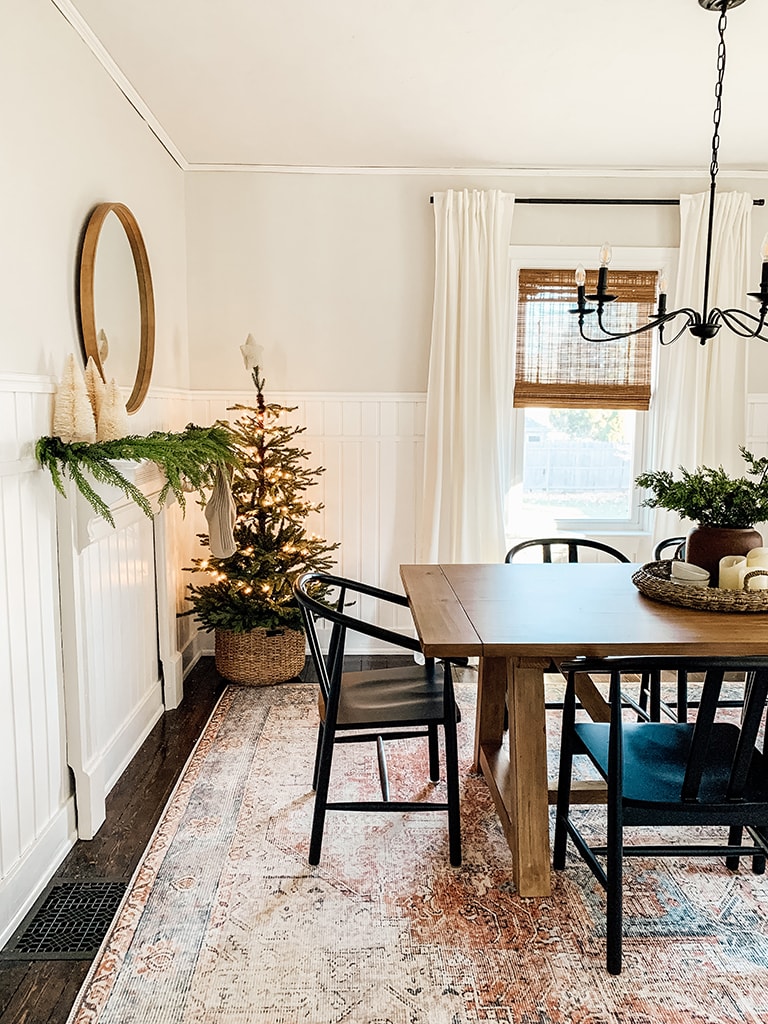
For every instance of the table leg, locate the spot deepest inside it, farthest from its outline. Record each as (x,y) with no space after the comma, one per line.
(491,703)
(518,779)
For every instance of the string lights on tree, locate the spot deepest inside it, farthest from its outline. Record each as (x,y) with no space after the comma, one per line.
(253,588)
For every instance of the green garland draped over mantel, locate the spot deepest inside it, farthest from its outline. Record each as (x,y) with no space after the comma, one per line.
(188,460)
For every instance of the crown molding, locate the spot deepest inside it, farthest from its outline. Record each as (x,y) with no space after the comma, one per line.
(75,19)
(484,172)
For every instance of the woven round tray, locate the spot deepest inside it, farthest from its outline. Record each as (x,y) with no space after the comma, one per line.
(653,580)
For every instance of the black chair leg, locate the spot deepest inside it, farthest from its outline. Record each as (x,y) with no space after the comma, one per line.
(614,847)
(645,687)
(564,777)
(321,796)
(614,910)
(318,749)
(452,785)
(758,861)
(383,774)
(682,696)
(451,768)
(563,809)
(749,682)
(434,753)
(655,703)
(732,863)
(734,839)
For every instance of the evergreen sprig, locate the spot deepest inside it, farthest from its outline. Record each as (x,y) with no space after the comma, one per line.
(709,496)
(188,460)
(253,588)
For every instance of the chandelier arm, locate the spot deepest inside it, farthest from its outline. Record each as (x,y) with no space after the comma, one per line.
(670,341)
(735,320)
(691,318)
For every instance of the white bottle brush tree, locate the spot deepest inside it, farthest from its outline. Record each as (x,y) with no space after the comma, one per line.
(253,588)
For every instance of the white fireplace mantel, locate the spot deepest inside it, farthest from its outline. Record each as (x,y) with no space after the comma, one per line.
(116,684)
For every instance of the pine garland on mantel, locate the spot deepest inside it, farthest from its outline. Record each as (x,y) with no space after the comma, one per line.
(188,460)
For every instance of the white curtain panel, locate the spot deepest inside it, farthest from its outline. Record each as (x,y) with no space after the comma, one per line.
(469,394)
(700,405)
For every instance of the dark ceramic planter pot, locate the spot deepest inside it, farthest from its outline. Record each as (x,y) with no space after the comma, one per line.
(706,545)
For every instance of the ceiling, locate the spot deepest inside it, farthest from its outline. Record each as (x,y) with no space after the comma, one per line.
(603,85)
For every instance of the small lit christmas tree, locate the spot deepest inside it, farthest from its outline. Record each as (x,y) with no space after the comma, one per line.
(253,588)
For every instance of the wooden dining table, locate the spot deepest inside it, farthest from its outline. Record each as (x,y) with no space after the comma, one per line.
(517,619)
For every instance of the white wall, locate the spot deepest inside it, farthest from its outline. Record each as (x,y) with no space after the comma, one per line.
(70,139)
(333,273)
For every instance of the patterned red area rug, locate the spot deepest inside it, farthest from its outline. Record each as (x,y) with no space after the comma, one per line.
(226,923)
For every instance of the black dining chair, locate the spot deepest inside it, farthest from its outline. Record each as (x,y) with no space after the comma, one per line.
(375,706)
(707,773)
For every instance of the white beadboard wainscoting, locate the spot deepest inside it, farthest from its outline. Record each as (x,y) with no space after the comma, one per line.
(82,646)
(37,813)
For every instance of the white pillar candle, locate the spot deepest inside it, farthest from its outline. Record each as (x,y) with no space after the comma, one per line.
(728,578)
(758,557)
(756,582)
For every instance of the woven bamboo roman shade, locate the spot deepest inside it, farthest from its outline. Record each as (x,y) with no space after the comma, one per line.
(555,368)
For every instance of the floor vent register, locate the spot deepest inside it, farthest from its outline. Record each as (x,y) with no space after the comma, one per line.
(68,922)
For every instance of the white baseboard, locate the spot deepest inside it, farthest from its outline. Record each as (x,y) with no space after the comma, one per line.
(125,745)
(199,646)
(22,885)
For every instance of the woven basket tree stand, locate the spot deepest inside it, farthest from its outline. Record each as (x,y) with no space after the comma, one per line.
(260,657)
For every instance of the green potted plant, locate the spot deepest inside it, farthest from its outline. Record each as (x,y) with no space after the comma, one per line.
(249,602)
(724,508)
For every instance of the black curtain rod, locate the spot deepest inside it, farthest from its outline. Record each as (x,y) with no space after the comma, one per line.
(540,201)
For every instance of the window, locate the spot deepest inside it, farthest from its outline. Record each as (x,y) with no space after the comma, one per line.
(578,464)
(581,427)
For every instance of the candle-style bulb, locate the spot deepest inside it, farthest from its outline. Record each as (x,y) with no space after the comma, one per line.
(662,297)
(764,274)
(605,254)
(581,276)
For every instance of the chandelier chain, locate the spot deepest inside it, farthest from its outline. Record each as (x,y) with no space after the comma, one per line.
(721,26)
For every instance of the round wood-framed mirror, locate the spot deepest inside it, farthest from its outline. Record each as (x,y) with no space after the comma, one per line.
(110,226)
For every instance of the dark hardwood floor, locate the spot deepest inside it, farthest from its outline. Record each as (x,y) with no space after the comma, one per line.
(43,991)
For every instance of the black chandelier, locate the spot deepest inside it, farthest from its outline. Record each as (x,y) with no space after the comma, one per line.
(705,324)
